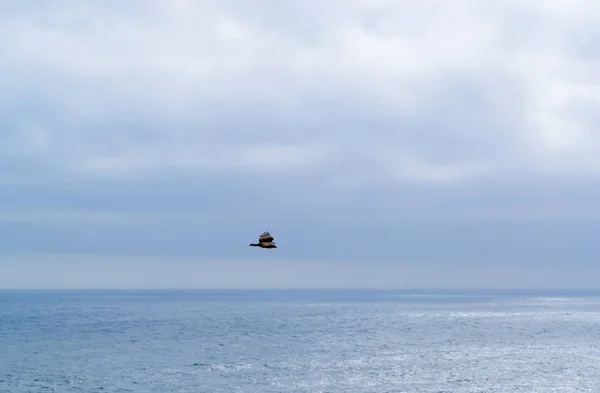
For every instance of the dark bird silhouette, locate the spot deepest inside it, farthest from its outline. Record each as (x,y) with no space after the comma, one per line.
(265,241)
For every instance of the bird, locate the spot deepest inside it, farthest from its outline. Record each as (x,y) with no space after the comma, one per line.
(264,241)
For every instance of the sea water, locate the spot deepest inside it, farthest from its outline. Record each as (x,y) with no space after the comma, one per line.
(337,341)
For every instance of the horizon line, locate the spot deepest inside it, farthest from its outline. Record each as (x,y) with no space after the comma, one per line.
(305,289)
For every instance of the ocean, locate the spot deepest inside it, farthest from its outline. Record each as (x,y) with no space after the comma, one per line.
(333,341)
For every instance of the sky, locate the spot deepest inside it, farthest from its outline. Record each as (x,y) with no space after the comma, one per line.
(384,143)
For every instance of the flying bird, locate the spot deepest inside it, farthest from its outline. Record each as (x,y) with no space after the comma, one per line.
(265,241)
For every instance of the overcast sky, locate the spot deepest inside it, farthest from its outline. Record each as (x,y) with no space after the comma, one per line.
(384,143)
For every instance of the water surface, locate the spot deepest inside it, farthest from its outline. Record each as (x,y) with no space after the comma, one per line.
(334,341)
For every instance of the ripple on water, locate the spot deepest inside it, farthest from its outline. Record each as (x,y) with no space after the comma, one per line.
(162,342)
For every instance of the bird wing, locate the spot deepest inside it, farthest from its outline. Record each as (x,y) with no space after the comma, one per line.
(265,237)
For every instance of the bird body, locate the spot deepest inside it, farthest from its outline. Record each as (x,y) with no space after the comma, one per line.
(265,241)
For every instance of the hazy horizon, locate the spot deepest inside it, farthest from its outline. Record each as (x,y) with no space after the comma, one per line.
(408,291)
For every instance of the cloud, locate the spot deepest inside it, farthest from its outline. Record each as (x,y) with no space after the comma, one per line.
(137,86)
(124,121)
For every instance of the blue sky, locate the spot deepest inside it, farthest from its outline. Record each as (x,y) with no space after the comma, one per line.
(385,144)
